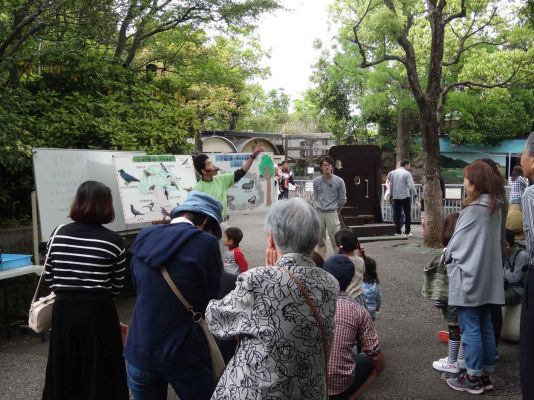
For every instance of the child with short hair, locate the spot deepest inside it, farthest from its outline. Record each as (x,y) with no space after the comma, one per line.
(371,287)
(234,260)
(347,244)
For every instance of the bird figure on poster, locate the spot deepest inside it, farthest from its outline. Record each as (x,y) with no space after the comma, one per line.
(134,211)
(164,168)
(166,192)
(147,173)
(150,206)
(185,162)
(127,177)
(165,213)
(188,189)
(248,185)
(252,200)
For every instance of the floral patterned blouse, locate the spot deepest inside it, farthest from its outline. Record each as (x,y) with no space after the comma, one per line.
(280,354)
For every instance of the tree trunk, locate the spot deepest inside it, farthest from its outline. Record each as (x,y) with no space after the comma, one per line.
(403,137)
(432,190)
(268,200)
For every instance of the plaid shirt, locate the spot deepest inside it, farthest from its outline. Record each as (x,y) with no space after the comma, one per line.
(353,325)
(517,187)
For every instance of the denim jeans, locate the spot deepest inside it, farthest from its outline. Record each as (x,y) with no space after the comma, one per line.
(478,338)
(188,383)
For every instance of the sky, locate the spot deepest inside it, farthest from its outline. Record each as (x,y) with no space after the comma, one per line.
(290,36)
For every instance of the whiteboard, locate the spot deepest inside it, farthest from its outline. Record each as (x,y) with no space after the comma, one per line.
(58,174)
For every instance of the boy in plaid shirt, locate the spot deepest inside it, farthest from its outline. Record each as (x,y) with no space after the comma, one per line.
(348,376)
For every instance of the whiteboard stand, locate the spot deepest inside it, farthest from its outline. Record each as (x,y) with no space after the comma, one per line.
(35,226)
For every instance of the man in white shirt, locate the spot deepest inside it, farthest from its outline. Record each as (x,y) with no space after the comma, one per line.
(401,185)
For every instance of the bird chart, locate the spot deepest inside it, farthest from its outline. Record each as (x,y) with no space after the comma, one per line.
(255,191)
(151,186)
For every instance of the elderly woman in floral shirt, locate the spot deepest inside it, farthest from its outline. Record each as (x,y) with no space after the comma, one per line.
(284,336)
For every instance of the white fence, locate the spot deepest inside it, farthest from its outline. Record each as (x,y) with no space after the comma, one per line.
(449,205)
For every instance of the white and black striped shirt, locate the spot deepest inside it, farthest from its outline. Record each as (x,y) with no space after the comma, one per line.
(86,257)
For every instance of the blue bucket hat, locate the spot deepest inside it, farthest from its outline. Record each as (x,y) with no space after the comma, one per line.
(342,268)
(202,203)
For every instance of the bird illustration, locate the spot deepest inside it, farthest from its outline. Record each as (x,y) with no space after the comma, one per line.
(164,168)
(248,185)
(147,173)
(252,200)
(150,206)
(134,211)
(185,162)
(188,189)
(127,177)
(165,213)
(172,180)
(166,192)
(152,187)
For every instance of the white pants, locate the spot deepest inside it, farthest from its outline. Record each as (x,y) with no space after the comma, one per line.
(329,222)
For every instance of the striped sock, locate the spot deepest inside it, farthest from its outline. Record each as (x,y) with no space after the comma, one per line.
(461,351)
(454,343)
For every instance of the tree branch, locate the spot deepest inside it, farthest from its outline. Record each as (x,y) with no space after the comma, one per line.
(461,14)
(502,84)
(470,32)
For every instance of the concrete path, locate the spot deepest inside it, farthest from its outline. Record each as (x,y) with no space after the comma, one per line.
(407,327)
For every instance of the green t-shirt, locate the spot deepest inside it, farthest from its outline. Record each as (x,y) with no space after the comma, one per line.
(218,188)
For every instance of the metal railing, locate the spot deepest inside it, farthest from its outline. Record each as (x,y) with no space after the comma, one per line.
(449,205)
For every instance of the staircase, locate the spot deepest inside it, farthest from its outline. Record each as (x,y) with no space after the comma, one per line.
(364,225)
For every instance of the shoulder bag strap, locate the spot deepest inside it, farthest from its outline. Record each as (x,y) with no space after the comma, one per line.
(46,260)
(172,285)
(316,315)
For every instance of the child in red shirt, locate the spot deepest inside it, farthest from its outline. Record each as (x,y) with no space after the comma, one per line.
(233,258)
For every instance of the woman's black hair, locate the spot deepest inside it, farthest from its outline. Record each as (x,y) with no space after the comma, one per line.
(370,275)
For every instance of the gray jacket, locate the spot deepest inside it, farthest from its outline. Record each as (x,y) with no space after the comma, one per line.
(474,259)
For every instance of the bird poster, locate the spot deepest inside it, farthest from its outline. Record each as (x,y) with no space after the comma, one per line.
(256,190)
(151,186)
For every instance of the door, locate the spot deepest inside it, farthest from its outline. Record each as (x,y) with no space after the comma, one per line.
(360,168)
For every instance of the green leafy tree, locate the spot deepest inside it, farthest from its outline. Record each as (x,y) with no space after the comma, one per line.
(430,40)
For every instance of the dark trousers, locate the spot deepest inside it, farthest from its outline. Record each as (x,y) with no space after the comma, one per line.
(363,371)
(526,339)
(496,321)
(284,194)
(402,205)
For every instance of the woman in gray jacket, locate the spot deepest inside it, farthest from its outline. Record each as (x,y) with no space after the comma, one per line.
(474,266)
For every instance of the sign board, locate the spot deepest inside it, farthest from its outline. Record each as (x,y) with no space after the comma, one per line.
(151,186)
(308,187)
(59,173)
(311,170)
(453,193)
(256,190)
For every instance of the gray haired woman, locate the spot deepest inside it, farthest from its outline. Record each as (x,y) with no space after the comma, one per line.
(283,314)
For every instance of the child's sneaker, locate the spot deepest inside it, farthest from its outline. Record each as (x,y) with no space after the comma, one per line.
(487,384)
(444,365)
(464,384)
(443,336)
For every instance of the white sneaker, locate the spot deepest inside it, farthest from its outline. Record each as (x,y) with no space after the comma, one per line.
(461,363)
(444,365)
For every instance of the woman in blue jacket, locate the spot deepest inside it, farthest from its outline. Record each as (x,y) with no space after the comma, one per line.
(164,345)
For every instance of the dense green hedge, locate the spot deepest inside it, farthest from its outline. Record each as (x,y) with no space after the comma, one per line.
(123,112)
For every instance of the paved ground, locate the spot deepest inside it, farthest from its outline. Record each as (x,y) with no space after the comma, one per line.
(407,327)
